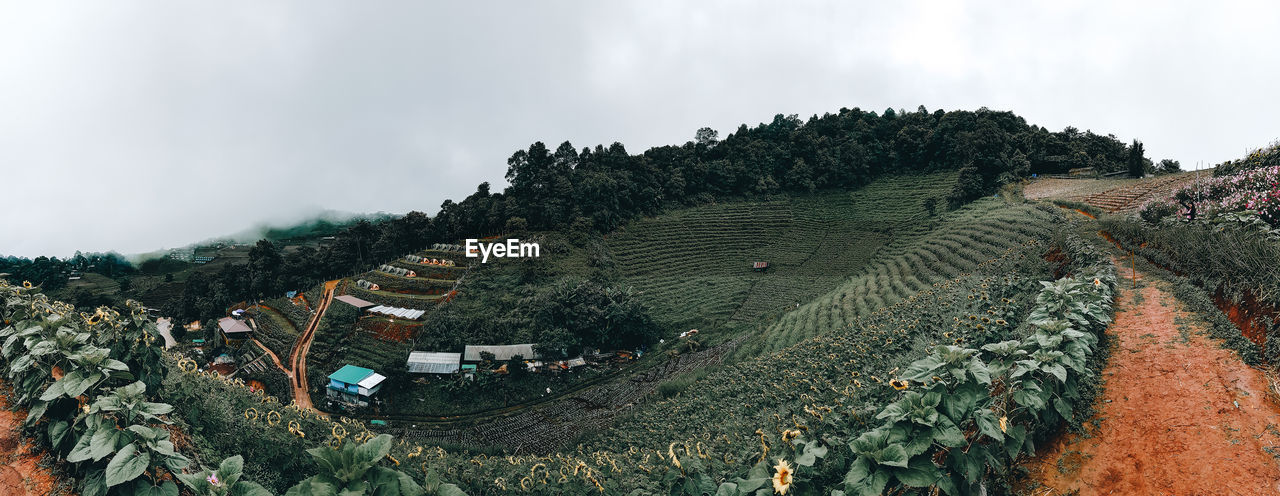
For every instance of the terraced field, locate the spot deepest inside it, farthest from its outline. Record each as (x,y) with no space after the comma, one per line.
(1129,198)
(274,330)
(694,265)
(1111,195)
(963,241)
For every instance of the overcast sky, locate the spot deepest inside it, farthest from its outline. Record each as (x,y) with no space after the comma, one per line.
(133,126)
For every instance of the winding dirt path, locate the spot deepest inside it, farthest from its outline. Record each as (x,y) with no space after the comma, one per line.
(274,358)
(297,368)
(20,470)
(1179,413)
(298,358)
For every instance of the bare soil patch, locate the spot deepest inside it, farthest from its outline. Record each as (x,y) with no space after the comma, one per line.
(20,470)
(1179,414)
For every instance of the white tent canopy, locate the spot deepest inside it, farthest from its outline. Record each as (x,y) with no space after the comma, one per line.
(397,312)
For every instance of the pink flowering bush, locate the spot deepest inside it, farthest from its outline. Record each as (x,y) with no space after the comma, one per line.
(1256,190)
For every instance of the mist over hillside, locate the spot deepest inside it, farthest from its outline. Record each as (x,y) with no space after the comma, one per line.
(310,225)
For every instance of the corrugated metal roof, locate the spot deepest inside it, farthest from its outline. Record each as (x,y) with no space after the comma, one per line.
(428,362)
(350,374)
(501,352)
(372,381)
(355,302)
(232,326)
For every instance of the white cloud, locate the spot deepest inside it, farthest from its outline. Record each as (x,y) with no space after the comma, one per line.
(135,125)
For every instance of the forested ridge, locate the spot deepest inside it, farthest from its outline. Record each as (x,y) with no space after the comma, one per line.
(599,189)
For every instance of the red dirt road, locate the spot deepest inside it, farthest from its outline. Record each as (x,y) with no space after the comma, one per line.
(297,369)
(1179,413)
(298,358)
(20,473)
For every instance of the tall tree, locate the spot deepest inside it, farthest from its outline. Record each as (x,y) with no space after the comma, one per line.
(1136,161)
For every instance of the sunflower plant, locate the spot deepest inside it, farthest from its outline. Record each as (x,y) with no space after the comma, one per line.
(972,409)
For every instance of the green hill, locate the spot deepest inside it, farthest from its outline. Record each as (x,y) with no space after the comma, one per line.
(694,266)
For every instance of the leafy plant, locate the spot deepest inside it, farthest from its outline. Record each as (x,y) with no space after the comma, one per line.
(225,481)
(353,470)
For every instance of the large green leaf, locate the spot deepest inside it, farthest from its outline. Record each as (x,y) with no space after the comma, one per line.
(82,450)
(988,425)
(894,455)
(127,465)
(103,443)
(82,384)
(230,469)
(57,389)
(969,465)
(449,490)
(57,432)
(36,412)
(960,403)
(919,473)
(246,488)
(947,434)
(923,369)
(864,482)
(144,488)
(93,484)
(1062,407)
(312,487)
(1057,370)
(728,489)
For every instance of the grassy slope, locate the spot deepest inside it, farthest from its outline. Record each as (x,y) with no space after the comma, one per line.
(694,265)
(962,240)
(929,310)
(836,376)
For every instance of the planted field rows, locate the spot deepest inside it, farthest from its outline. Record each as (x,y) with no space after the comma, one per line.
(388,298)
(274,330)
(296,314)
(737,414)
(966,239)
(694,266)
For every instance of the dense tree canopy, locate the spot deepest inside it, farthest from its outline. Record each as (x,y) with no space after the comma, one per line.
(51,273)
(602,187)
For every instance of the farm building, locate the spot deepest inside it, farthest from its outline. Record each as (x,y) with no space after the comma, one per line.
(428,362)
(501,353)
(355,302)
(760,266)
(354,385)
(234,331)
(397,312)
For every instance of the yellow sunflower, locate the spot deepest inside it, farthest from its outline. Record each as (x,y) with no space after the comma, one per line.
(782,477)
(899,385)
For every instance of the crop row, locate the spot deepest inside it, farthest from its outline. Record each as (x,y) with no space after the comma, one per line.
(737,415)
(411,285)
(296,314)
(274,330)
(957,248)
(694,266)
(419,302)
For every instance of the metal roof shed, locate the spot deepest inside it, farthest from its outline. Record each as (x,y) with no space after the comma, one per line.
(233,326)
(427,362)
(355,302)
(350,374)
